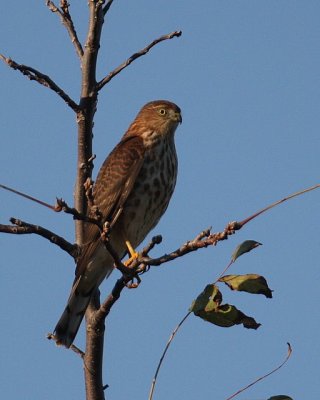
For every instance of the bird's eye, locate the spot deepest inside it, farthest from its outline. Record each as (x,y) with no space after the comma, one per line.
(162,111)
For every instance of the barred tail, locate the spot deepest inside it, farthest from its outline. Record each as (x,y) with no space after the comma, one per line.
(71,318)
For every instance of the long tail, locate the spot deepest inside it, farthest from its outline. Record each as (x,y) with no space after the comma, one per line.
(96,270)
(71,318)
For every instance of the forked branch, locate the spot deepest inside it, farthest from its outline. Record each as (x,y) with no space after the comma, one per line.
(66,19)
(107,6)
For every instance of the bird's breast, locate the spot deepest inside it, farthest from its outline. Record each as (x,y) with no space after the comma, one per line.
(151,192)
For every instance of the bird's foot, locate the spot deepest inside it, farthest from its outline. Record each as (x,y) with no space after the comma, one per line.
(134,282)
(133,254)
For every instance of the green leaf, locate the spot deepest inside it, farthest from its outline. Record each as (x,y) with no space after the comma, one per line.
(208,300)
(226,316)
(250,283)
(208,307)
(280,397)
(244,247)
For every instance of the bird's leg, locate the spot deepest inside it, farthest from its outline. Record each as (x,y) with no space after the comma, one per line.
(133,254)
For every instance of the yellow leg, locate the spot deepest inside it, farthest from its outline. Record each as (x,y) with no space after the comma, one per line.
(132,252)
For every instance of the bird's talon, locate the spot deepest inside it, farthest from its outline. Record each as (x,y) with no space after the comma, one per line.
(132,284)
(142,269)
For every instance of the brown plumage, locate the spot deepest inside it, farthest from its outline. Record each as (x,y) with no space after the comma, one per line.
(132,191)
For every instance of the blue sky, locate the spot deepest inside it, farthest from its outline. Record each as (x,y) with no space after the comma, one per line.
(246,75)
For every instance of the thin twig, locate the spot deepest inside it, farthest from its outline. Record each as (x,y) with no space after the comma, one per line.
(66,20)
(23,228)
(74,348)
(78,351)
(27,196)
(154,241)
(173,334)
(63,206)
(134,56)
(224,271)
(60,205)
(205,233)
(107,7)
(42,79)
(264,376)
(291,196)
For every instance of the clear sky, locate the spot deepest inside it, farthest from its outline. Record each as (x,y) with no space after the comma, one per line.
(246,76)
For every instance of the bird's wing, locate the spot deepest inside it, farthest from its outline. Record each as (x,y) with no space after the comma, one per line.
(114,183)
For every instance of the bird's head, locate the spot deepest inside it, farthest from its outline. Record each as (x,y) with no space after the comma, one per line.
(157,118)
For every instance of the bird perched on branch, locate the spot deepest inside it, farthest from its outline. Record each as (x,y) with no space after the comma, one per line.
(132,191)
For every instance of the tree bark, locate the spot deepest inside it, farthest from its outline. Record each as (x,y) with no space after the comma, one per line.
(88,106)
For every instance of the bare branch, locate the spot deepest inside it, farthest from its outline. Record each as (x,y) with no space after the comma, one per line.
(173,334)
(63,206)
(88,105)
(22,228)
(203,234)
(75,349)
(106,306)
(203,240)
(107,7)
(44,80)
(275,204)
(289,353)
(154,241)
(134,56)
(66,20)
(27,196)
(93,358)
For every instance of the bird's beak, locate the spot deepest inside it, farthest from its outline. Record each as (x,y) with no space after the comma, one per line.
(178,117)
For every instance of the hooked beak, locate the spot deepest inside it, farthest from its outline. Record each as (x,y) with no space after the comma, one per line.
(178,117)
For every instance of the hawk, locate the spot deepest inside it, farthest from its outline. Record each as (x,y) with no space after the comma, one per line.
(132,191)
